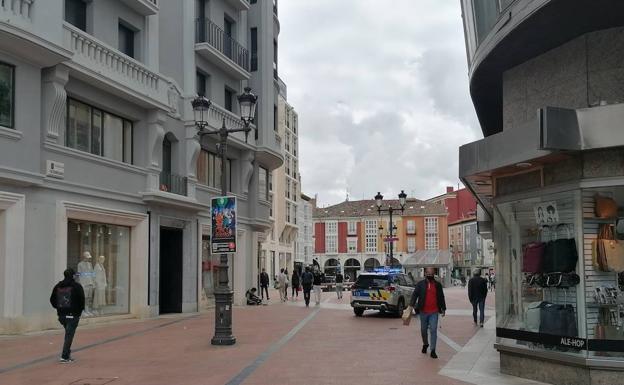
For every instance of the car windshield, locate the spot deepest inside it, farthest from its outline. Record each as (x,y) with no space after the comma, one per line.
(366,281)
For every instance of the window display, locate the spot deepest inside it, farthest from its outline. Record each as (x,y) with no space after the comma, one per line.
(100,254)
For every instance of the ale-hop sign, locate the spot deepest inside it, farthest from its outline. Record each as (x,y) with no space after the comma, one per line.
(223,212)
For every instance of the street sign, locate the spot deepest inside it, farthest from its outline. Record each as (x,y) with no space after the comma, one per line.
(223,213)
(393,239)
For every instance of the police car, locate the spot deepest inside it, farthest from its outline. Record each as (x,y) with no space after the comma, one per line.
(386,290)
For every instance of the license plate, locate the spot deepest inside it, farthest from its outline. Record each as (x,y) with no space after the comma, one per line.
(360,293)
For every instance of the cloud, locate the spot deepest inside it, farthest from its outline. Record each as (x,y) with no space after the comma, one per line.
(381,92)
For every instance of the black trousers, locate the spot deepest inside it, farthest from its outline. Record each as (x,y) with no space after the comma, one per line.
(295,292)
(306,294)
(264,289)
(70,325)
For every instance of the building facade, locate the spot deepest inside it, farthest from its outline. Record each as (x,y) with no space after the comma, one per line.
(279,249)
(546,82)
(99,159)
(352,237)
(304,247)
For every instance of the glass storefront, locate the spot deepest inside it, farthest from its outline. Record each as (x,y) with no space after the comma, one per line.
(100,255)
(560,273)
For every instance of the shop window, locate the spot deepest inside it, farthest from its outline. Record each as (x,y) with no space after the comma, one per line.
(7,92)
(100,255)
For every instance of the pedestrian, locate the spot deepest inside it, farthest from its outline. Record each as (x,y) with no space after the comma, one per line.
(69,301)
(264,284)
(281,284)
(286,282)
(252,298)
(339,280)
(307,279)
(492,282)
(317,286)
(296,283)
(477,292)
(428,301)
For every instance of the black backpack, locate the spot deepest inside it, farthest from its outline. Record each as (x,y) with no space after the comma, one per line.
(64,297)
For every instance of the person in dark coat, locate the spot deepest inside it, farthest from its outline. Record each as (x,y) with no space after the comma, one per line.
(428,301)
(477,292)
(69,301)
(264,284)
(307,280)
(295,281)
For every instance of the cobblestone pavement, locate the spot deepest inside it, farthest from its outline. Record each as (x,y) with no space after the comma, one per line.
(283,343)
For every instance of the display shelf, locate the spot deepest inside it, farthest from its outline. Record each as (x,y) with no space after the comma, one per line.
(595,304)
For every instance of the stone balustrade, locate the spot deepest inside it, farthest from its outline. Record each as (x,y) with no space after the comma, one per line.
(16,12)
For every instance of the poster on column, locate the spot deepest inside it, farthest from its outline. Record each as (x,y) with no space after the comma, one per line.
(223,213)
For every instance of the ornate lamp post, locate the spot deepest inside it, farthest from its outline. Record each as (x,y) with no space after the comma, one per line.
(390,210)
(223,293)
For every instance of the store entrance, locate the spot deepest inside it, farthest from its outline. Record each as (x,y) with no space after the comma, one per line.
(170,288)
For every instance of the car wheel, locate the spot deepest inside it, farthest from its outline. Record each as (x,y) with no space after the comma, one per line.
(400,307)
(358,311)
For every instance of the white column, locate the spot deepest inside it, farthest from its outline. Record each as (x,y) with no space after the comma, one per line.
(54,99)
(12,217)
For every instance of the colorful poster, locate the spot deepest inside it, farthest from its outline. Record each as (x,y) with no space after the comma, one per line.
(223,238)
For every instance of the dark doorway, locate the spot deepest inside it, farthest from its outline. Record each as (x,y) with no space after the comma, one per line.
(170,289)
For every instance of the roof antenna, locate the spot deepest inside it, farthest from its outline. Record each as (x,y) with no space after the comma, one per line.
(348,193)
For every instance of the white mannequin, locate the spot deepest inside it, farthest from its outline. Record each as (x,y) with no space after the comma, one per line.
(85,278)
(99,298)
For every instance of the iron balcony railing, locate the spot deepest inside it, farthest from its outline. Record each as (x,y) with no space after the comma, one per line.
(208,32)
(173,183)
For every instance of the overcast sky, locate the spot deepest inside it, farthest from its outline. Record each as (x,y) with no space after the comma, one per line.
(381,90)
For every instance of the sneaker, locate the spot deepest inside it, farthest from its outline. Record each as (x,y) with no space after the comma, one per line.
(481,324)
(66,360)
(433,354)
(424,349)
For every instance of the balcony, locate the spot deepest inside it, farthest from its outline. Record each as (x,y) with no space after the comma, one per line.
(115,72)
(241,5)
(221,49)
(144,7)
(172,183)
(16,12)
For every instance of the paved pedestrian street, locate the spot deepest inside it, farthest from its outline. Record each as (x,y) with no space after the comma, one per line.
(283,343)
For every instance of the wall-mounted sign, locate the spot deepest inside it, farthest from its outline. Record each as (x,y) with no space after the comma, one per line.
(55,169)
(546,213)
(223,212)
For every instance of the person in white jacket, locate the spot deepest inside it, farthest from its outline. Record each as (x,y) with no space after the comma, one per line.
(281,280)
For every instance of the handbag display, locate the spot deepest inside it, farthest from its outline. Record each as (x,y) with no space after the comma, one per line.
(609,250)
(532,316)
(559,320)
(605,207)
(532,257)
(560,254)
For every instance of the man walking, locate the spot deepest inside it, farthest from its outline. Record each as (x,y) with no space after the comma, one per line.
(307,279)
(317,287)
(281,286)
(295,281)
(264,284)
(477,292)
(428,301)
(339,280)
(69,301)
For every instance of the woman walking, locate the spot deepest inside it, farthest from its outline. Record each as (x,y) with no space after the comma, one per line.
(296,282)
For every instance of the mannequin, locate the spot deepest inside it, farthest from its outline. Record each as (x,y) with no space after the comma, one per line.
(99,298)
(85,278)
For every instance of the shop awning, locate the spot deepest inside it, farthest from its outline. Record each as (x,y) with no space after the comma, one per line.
(429,258)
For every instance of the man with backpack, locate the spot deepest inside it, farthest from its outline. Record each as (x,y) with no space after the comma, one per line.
(69,301)
(307,279)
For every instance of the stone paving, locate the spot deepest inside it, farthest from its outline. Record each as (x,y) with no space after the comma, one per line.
(284,343)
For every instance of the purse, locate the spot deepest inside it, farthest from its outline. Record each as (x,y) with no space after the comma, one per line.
(605,207)
(609,251)
(560,254)
(532,257)
(407,315)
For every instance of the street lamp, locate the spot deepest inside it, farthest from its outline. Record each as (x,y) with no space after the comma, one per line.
(223,293)
(390,210)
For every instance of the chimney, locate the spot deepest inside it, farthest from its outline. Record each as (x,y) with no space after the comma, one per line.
(449,189)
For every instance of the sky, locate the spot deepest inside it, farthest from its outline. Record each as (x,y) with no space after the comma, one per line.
(381,89)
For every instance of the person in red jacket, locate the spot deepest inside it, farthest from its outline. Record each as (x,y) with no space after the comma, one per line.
(428,301)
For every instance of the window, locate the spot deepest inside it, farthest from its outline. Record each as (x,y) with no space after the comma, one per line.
(331,237)
(411,226)
(287,164)
(100,254)
(7,95)
(352,245)
(126,40)
(209,170)
(254,49)
(294,168)
(352,228)
(287,189)
(287,142)
(294,151)
(201,83)
(431,233)
(228,99)
(294,214)
(371,236)
(100,133)
(76,13)
(294,191)
(270,181)
(486,13)
(263,186)
(411,244)
(288,212)
(275,59)
(228,42)
(295,124)
(271,208)
(275,118)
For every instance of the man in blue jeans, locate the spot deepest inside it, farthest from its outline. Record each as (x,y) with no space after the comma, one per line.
(428,301)
(477,292)
(69,301)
